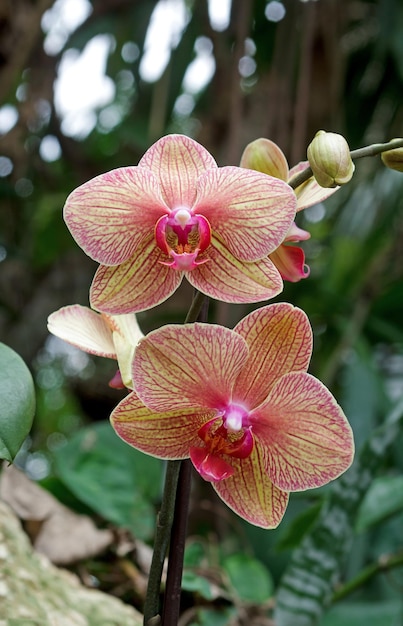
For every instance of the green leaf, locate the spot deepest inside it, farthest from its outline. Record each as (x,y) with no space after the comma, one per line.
(359,613)
(383,499)
(308,582)
(211,617)
(249,578)
(17,401)
(299,527)
(112,478)
(194,582)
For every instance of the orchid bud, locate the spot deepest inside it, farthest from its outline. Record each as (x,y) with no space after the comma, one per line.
(330,159)
(393,159)
(265,156)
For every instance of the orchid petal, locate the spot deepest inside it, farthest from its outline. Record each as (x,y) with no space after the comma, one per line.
(306,434)
(209,466)
(179,366)
(126,335)
(109,215)
(164,435)
(178,161)
(265,156)
(250,211)
(310,192)
(136,285)
(279,337)
(83,328)
(297,234)
(229,280)
(290,262)
(251,494)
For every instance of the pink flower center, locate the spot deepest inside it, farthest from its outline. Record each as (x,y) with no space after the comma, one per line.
(229,434)
(183,236)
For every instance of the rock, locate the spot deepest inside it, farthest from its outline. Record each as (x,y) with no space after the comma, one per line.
(33,592)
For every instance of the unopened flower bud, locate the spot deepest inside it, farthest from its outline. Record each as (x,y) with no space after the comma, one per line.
(265,156)
(330,159)
(393,159)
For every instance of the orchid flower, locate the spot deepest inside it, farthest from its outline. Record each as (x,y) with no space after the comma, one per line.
(242,406)
(112,336)
(265,156)
(178,214)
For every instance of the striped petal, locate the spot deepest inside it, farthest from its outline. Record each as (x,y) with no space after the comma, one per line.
(165,435)
(83,328)
(110,215)
(251,494)
(126,335)
(307,438)
(250,211)
(225,278)
(178,366)
(279,337)
(310,192)
(136,285)
(178,161)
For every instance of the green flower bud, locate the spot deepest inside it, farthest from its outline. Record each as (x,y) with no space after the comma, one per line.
(393,159)
(265,156)
(330,159)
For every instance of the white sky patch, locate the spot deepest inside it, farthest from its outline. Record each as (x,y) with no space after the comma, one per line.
(202,68)
(8,118)
(61,20)
(219,14)
(167,22)
(82,86)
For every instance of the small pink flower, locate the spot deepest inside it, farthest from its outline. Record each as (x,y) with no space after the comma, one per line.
(265,156)
(112,336)
(177,214)
(241,405)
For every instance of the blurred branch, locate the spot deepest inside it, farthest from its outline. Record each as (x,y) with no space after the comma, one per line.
(383,564)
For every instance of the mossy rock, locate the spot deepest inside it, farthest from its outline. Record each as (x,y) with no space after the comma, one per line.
(33,592)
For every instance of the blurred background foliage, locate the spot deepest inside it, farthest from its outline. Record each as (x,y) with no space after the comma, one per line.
(87,86)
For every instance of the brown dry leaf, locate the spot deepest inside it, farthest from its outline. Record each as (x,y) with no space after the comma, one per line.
(62,535)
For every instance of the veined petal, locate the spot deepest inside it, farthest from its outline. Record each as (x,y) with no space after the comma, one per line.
(310,192)
(279,337)
(177,366)
(109,215)
(250,211)
(265,156)
(251,494)
(305,433)
(178,161)
(290,262)
(165,435)
(83,328)
(136,285)
(225,278)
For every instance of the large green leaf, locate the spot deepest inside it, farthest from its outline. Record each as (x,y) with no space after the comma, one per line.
(17,402)
(383,499)
(359,613)
(115,480)
(249,578)
(308,582)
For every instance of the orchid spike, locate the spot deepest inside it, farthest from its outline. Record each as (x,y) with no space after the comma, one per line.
(178,214)
(242,406)
(112,336)
(265,156)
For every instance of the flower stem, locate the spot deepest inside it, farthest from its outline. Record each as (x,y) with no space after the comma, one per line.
(172,521)
(172,597)
(162,533)
(372,150)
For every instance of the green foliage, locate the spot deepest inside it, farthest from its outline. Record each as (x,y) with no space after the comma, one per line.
(114,480)
(249,579)
(383,499)
(17,400)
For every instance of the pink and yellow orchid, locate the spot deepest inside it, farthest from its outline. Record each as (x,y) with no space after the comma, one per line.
(242,406)
(265,156)
(112,336)
(177,213)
